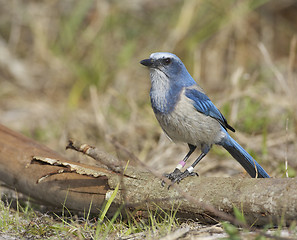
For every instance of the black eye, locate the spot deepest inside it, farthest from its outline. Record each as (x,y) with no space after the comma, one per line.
(167,61)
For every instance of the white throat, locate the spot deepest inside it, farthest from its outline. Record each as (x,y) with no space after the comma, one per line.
(159,90)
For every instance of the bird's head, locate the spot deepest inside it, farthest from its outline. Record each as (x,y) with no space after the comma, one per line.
(170,66)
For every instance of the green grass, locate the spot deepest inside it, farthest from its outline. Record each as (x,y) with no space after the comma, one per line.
(252,116)
(25,222)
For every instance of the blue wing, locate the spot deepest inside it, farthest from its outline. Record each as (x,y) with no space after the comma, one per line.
(203,104)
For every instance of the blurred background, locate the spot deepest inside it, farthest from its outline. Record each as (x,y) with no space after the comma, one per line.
(71,69)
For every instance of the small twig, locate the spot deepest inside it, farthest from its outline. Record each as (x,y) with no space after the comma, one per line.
(177,234)
(286,151)
(107,160)
(271,236)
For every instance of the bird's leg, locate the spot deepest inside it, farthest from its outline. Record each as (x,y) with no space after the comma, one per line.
(189,171)
(180,165)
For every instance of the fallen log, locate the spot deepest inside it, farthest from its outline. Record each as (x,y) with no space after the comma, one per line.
(45,175)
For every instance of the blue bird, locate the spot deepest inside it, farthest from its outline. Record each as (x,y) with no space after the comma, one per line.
(186,114)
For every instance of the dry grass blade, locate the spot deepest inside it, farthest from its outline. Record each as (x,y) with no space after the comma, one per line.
(279,76)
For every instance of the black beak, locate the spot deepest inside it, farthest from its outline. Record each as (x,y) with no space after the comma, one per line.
(147,62)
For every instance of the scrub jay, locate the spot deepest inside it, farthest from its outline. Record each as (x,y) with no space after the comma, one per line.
(187,115)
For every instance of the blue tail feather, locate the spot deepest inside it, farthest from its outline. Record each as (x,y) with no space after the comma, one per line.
(245,159)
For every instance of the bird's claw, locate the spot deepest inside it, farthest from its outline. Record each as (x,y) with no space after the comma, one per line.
(182,175)
(176,176)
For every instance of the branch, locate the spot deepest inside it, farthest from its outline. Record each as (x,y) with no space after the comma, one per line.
(51,178)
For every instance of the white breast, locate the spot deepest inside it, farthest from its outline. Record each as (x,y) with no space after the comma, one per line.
(186,124)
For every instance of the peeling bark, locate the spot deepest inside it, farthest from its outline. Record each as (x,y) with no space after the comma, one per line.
(43,174)
(16,170)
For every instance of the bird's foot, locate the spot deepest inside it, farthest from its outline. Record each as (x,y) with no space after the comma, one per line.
(176,176)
